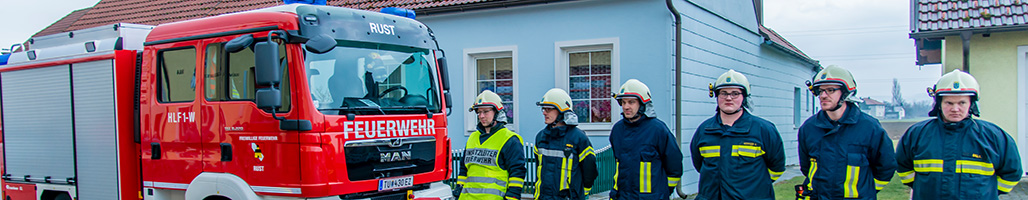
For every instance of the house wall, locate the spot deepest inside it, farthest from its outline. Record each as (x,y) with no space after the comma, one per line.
(712,45)
(644,37)
(638,27)
(994,64)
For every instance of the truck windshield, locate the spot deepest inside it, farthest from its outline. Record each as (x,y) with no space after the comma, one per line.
(367,79)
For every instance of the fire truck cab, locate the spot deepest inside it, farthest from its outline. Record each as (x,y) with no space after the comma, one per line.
(289,102)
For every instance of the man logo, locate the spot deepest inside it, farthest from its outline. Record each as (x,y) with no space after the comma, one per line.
(394,156)
(395,142)
(956,85)
(729,79)
(825,75)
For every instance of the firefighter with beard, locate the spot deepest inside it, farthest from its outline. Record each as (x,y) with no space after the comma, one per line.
(954,156)
(493,167)
(844,153)
(567,164)
(737,154)
(647,156)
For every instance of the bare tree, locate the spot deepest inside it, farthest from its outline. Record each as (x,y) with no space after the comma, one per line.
(897,96)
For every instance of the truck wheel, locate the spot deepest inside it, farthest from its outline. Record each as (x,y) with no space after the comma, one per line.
(62,196)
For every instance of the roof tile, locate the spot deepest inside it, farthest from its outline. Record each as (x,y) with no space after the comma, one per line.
(932,15)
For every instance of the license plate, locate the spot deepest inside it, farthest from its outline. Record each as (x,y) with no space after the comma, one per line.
(393,183)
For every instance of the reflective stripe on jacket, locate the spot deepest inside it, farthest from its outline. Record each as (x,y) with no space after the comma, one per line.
(739,161)
(484,177)
(970,159)
(567,163)
(648,160)
(850,158)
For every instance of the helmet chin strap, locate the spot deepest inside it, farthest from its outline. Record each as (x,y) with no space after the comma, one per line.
(837,106)
(730,113)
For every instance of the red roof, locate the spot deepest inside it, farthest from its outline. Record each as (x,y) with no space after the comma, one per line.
(778,39)
(155,12)
(63,24)
(940,15)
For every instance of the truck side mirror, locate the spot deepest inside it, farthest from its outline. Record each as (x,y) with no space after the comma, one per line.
(443,72)
(269,98)
(239,43)
(320,44)
(266,72)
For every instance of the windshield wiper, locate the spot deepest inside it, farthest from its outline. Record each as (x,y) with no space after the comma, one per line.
(356,108)
(418,108)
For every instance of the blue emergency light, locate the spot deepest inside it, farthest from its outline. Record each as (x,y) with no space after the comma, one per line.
(3,59)
(402,12)
(311,2)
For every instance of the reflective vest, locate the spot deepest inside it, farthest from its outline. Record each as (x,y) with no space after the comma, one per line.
(486,180)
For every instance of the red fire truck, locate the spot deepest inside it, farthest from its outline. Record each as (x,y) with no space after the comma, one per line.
(289,102)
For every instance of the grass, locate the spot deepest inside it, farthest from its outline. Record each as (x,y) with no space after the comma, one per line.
(894,190)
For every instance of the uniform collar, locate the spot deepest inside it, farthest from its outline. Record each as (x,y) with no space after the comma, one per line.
(555,132)
(849,116)
(496,128)
(955,126)
(741,125)
(642,119)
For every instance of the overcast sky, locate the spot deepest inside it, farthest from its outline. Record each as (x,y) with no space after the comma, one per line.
(21,19)
(868,37)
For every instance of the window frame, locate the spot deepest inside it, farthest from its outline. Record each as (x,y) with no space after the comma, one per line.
(222,66)
(471,57)
(159,81)
(562,49)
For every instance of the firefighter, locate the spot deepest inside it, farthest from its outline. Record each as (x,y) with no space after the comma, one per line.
(567,164)
(843,152)
(651,157)
(738,155)
(493,167)
(954,156)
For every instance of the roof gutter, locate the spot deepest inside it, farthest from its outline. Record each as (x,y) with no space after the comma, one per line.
(678,82)
(957,32)
(481,6)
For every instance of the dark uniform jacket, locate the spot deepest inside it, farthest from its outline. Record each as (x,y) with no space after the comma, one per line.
(512,159)
(560,148)
(970,159)
(649,162)
(851,158)
(739,161)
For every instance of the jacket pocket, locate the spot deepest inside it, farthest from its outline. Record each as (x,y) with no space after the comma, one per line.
(854,164)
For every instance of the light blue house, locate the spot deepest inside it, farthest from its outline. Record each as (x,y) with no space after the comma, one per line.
(521,49)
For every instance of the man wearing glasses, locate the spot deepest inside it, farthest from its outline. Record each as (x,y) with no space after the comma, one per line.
(738,155)
(844,152)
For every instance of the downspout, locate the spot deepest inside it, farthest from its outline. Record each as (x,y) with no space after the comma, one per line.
(678,83)
(965,38)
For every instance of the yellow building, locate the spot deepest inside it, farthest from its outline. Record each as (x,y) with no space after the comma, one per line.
(989,40)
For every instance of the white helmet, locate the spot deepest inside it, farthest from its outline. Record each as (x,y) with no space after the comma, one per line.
(635,88)
(490,99)
(559,99)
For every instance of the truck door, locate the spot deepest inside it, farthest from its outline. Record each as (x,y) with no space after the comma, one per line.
(262,154)
(171,135)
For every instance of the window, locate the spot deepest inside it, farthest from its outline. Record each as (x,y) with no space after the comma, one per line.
(797,99)
(233,78)
(497,75)
(589,82)
(494,69)
(589,71)
(176,80)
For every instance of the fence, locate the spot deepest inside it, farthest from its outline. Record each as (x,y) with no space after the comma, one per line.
(604,164)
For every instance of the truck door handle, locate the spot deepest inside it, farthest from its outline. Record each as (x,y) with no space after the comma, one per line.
(155,151)
(226,152)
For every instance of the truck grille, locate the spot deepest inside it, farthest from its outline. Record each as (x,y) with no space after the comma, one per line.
(390,157)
